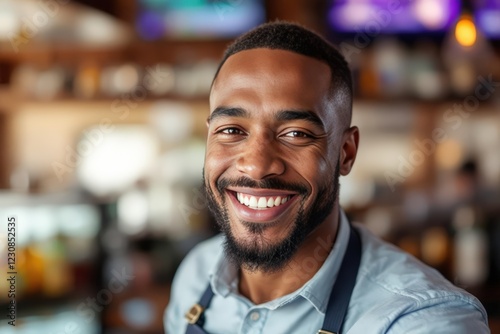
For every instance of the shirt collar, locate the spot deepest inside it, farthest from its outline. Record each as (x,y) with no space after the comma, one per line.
(317,289)
(224,275)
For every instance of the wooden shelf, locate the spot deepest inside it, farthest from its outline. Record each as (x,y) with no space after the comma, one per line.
(142,52)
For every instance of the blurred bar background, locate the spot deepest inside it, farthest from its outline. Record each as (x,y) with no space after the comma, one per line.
(102,128)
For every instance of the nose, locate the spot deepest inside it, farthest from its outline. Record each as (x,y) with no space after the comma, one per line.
(260,157)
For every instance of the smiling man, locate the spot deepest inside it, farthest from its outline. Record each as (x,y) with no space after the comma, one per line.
(288,260)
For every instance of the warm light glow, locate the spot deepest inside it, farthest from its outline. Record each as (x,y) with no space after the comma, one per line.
(465,32)
(449,155)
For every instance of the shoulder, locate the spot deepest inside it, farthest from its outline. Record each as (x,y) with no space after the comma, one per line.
(394,286)
(190,281)
(400,273)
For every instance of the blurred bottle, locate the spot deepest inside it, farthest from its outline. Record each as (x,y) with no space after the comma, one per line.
(427,78)
(391,68)
(57,276)
(436,249)
(31,268)
(87,81)
(471,261)
(467,53)
(369,86)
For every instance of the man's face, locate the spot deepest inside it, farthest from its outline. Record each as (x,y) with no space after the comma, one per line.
(271,166)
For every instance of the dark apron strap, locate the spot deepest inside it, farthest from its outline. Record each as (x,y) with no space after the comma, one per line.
(196,316)
(337,304)
(342,289)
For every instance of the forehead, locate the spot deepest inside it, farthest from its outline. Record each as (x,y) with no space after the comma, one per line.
(265,79)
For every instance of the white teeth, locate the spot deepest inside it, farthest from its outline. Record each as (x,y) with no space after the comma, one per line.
(261,202)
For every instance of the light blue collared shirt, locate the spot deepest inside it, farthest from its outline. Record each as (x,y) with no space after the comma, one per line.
(394,293)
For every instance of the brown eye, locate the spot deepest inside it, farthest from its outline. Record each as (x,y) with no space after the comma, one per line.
(297,134)
(231,131)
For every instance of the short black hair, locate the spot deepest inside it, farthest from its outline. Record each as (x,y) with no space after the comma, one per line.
(296,38)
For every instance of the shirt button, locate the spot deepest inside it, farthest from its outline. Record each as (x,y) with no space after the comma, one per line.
(255,316)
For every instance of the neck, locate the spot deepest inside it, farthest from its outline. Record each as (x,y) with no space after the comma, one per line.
(260,287)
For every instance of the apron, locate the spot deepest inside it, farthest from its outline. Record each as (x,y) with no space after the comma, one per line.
(337,304)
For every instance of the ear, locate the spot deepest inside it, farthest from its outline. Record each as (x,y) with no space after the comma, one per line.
(349,149)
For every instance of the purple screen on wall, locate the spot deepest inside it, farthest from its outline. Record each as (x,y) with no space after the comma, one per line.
(487,16)
(393,16)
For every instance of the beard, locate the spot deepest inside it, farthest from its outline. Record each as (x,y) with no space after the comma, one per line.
(261,254)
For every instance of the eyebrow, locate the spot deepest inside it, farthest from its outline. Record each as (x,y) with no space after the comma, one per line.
(227,112)
(283,115)
(308,116)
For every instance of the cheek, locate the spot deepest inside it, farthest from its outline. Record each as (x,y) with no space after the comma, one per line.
(217,161)
(329,162)
(317,170)
(312,164)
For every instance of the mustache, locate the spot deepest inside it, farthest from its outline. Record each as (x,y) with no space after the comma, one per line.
(272,183)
